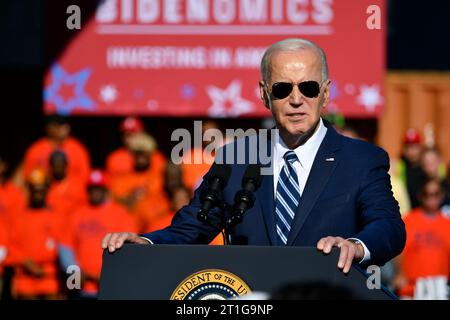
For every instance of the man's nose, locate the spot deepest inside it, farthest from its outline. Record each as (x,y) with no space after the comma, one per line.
(296,97)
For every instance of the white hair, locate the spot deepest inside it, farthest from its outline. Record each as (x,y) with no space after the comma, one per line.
(292,45)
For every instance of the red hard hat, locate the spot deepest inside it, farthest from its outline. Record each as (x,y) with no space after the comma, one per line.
(97,178)
(412,136)
(131,124)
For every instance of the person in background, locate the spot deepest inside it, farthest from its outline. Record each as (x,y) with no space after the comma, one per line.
(427,250)
(34,240)
(12,201)
(65,193)
(434,167)
(141,191)
(409,167)
(399,189)
(194,166)
(121,161)
(173,178)
(12,197)
(180,197)
(58,138)
(86,228)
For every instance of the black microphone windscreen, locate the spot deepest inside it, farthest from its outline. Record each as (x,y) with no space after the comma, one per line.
(253,172)
(221,171)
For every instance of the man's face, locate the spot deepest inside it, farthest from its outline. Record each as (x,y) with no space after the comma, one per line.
(38,194)
(97,195)
(58,132)
(432,197)
(413,152)
(58,168)
(430,163)
(141,161)
(296,114)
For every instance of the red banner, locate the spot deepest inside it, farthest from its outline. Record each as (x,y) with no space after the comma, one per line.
(201,57)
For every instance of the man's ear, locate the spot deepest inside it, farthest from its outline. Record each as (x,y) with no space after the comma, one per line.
(326,93)
(264,94)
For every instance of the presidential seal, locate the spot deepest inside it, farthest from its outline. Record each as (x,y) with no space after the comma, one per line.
(211,284)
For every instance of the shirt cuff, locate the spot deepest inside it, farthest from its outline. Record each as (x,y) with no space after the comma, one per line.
(366,251)
(147,239)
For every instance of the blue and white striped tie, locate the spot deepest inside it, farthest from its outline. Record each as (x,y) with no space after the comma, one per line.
(287,198)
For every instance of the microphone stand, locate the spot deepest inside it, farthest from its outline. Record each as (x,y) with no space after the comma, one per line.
(230,223)
(224,208)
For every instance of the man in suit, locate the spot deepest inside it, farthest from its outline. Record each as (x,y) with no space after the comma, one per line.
(325,190)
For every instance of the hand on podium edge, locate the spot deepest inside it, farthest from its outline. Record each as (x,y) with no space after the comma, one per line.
(114,241)
(349,251)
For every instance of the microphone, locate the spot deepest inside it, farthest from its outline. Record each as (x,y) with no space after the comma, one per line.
(245,198)
(211,195)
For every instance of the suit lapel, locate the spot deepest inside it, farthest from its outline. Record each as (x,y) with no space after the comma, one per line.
(324,164)
(265,198)
(265,193)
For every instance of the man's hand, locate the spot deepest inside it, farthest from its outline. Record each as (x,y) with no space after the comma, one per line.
(114,241)
(349,251)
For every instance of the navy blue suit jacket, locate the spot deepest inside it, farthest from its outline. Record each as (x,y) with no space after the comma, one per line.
(348,197)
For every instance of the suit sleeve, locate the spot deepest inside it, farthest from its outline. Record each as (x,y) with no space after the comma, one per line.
(382,229)
(186,228)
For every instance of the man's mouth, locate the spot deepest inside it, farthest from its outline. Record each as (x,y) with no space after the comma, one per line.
(296,115)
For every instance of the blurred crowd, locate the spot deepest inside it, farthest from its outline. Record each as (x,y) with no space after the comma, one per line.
(420,181)
(56,208)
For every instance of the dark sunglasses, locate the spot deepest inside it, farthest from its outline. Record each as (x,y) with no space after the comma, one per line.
(309,89)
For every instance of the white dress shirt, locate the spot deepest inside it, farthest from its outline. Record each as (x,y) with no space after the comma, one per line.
(306,154)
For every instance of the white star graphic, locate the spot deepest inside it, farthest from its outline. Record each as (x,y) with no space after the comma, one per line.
(108,93)
(369,97)
(231,96)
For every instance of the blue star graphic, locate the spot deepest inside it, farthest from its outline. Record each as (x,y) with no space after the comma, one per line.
(187,91)
(80,98)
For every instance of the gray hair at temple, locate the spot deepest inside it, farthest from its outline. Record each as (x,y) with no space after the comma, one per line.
(292,45)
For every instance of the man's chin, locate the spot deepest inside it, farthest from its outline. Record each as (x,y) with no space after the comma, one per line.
(297,131)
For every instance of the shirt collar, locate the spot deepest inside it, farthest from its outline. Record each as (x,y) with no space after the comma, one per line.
(306,153)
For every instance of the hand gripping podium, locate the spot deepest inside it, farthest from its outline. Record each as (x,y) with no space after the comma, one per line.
(192,272)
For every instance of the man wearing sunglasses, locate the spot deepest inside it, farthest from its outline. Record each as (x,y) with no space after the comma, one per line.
(326,190)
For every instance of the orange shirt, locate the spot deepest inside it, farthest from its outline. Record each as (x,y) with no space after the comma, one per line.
(427,249)
(147,187)
(85,232)
(35,236)
(38,155)
(166,220)
(12,199)
(121,162)
(66,195)
(194,172)
(12,202)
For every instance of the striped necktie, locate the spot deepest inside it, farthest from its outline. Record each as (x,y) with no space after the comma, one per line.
(287,197)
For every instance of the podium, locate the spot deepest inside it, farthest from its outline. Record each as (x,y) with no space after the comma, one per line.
(193,272)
